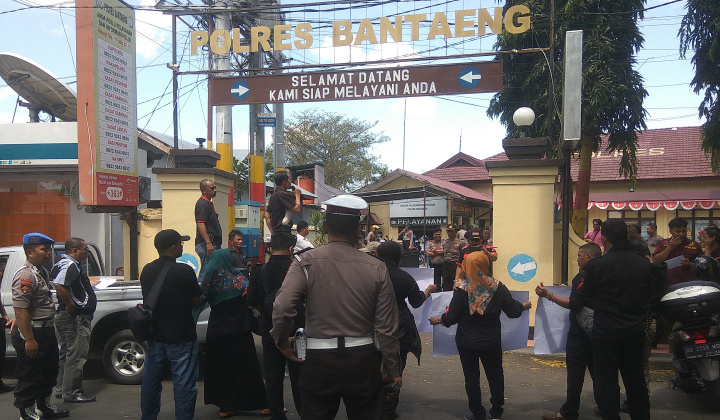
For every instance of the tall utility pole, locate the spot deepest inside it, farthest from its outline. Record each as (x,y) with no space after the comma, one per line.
(223,114)
(279,159)
(257,138)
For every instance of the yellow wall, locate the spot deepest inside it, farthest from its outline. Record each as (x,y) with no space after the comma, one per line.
(180,192)
(149,224)
(523,221)
(573,246)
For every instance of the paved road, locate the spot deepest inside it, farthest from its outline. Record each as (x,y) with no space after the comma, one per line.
(433,390)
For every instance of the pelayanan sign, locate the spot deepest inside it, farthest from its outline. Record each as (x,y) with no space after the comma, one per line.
(287,37)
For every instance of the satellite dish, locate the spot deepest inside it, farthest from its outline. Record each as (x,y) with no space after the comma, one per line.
(37,85)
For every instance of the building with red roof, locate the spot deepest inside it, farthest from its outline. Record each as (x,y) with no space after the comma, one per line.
(674,179)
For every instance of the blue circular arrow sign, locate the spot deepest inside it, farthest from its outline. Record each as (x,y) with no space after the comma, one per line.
(469,77)
(190,260)
(522,267)
(240,90)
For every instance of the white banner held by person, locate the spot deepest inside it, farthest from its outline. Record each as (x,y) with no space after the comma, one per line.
(514,331)
(552,323)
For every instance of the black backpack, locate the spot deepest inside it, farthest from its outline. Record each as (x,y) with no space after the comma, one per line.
(140,315)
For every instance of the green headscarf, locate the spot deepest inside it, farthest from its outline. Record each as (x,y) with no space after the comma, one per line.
(222,281)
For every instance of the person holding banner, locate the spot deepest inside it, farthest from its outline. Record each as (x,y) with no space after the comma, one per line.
(578,349)
(476,307)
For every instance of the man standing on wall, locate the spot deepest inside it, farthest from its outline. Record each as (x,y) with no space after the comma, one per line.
(282,204)
(76,306)
(208,235)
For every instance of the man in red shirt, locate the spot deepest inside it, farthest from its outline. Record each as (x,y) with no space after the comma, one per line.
(678,245)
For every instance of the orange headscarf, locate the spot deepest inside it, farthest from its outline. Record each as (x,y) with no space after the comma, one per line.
(479,286)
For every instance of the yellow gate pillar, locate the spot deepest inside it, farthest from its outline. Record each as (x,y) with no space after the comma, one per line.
(523,210)
(180,191)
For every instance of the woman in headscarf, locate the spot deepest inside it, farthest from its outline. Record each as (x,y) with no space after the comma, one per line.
(405,287)
(476,307)
(233,379)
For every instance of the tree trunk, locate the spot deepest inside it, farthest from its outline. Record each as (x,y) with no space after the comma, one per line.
(582,193)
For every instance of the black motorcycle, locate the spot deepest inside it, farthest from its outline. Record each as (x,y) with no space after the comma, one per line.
(694,307)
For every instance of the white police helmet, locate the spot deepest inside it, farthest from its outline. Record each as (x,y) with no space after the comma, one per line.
(346,204)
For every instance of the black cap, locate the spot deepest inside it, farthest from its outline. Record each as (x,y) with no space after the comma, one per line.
(474,234)
(167,238)
(451,227)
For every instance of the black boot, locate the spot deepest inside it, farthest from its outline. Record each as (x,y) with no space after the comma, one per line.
(48,410)
(28,413)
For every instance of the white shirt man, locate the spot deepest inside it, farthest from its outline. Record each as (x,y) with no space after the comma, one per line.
(303,230)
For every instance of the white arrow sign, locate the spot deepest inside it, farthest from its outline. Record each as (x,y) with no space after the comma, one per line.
(240,90)
(521,268)
(190,264)
(469,77)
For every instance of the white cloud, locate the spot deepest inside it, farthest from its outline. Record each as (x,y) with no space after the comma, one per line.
(7,92)
(327,53)
(151,30)
(20,117)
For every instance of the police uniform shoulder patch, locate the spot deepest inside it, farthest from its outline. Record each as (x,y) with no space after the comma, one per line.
(25,285)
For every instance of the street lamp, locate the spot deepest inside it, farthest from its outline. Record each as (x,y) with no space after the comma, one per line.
(523,118)
(524,147)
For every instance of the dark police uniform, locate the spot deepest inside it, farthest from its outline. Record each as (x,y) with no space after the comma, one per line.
(31,290)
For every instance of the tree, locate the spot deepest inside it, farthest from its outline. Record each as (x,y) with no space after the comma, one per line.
(340,143)
(612,92)
(700,31)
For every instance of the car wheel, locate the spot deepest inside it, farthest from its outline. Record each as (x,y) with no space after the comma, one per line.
(124,358)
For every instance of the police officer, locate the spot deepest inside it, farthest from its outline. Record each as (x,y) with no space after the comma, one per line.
(348,296)
(34,338)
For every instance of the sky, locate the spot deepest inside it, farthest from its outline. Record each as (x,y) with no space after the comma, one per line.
(431,129)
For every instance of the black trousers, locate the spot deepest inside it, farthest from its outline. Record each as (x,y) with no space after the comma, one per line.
(392,402)
(274,364)
(491,359)
(578,357)
(623,353)
(448,276)
(36,376)
(352,374)
(437,275)
(3,345)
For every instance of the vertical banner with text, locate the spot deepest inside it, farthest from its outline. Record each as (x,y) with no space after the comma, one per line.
(107,114)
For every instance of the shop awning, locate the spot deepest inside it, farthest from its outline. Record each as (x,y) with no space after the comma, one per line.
(654,205)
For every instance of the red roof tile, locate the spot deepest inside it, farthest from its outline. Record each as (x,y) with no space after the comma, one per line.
(458,189)
(677,148)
